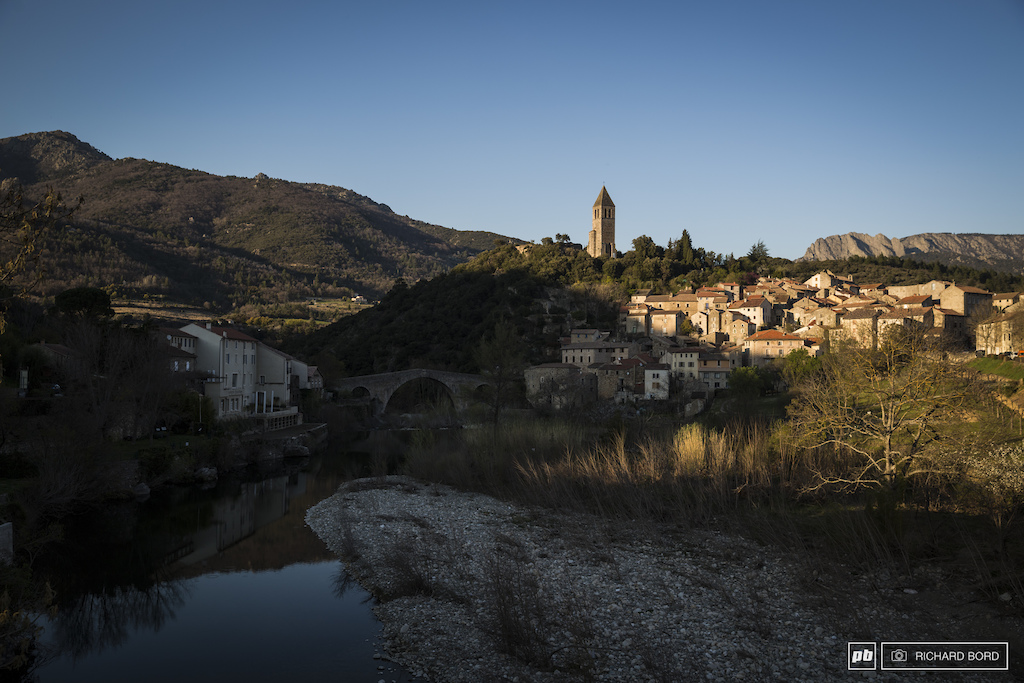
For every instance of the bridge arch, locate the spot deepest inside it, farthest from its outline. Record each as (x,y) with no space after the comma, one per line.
(419,392)
(461,388)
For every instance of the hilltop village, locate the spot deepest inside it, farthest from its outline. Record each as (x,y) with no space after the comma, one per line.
(681,347)
(686,345)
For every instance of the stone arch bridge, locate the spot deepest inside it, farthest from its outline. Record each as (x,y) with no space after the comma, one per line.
(378,389)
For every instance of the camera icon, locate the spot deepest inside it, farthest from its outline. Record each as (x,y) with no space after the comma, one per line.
(899,655)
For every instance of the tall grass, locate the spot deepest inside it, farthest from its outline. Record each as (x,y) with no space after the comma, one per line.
(753,476)
(693,475)
(486,459)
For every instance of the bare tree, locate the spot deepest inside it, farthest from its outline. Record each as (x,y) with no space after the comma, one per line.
(978,331)
(882,406)
(121,379)
(21,228)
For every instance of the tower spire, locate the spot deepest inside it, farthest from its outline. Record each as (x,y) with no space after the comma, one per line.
(602,235)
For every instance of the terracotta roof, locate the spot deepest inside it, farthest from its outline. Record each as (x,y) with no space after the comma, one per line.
(229,333)
(750,302)
(1002,317)
(624,364)
(594,345)
(773,335)
(862,314)
(682,349)
(905,313)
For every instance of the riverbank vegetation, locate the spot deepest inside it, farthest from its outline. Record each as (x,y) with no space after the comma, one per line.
(907,467)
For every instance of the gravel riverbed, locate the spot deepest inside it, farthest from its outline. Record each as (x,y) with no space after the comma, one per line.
(472,588)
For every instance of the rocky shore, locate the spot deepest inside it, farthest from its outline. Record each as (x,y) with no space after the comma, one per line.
(472,589)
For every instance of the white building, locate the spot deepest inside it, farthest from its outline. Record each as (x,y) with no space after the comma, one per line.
(244,377)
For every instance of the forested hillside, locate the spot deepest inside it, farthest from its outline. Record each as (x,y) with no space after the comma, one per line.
(152,229)
(547,289)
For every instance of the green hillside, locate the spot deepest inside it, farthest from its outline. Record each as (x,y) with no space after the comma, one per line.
(156,230)
(549,288)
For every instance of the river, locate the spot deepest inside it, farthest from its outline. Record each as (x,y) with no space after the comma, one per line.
(220,584)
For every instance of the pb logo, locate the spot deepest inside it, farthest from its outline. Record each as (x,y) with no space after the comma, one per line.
(862,656)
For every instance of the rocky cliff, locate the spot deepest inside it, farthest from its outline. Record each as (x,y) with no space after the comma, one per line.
(999,252)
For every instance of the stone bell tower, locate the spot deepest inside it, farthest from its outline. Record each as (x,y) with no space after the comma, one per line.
(602,236)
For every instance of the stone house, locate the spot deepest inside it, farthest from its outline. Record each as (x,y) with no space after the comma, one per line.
(861,326)
(907,317)
(683,301)
(560,385)
(739,329)
(756,309)
(586,335)
(665,323)
(733,288)
(826,279)
(798,290)
(683,362)
(1003,301)
(179,360)
(951,323)
(915,301)
(639,296)
(769,345)
(714,367)
(802,311)
(903,291)
(584,354)
(619,377)
(1002,334)
(315,379)
(638,319)
(934,288)
(657,378)
(964,299)
(717,299)
(711,324)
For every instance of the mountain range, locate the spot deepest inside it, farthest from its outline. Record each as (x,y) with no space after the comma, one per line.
(153,229)
(998,252)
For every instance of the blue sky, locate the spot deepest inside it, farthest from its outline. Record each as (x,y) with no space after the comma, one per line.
(737,120)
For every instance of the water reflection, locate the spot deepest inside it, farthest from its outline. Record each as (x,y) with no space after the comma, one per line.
(177,582)
(94,622)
